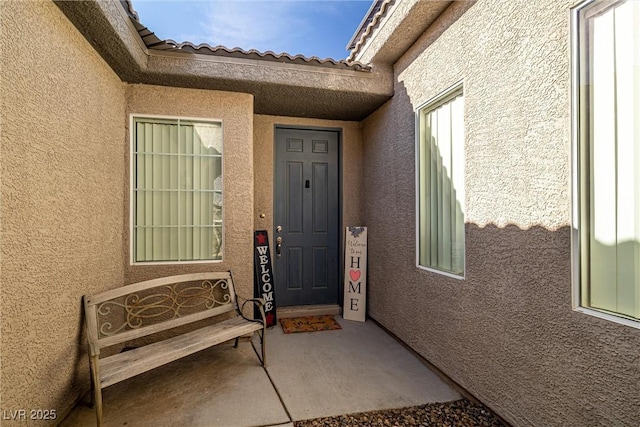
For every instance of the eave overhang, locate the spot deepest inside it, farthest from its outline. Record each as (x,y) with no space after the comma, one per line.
(396,25)
(281,84)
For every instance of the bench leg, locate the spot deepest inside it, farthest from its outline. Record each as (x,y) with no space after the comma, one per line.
(97,391)
(92,402)
(264,348)
(236,344)
(98,398)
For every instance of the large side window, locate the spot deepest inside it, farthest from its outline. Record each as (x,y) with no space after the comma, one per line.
(607,70)
(440,188)
(176,190)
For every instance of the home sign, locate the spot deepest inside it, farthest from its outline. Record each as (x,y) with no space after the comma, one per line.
(355,274)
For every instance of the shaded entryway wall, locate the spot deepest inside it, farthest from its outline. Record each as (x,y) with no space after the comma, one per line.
(62,201)
(263,154)
(507,332)
(235,110)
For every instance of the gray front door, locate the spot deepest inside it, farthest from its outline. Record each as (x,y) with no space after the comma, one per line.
(307,217)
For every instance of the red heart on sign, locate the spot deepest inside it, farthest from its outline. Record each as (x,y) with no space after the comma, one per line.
(355,275)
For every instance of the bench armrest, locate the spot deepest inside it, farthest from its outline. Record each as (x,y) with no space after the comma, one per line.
(259,302)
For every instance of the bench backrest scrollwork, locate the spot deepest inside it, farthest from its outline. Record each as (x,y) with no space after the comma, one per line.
(145,308)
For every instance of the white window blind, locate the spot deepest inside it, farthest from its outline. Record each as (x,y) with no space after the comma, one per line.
(609,133)
(441,184)
(177,190)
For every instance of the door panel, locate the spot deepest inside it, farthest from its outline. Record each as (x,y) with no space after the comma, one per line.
(294,268)
(320,268)
(320,197)
(294,197)
(307,208)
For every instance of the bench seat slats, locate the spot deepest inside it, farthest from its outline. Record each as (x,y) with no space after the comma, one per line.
(125,365)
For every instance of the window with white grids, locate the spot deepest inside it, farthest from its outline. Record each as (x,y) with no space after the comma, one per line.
(606,57)
(177,192)
(440,189)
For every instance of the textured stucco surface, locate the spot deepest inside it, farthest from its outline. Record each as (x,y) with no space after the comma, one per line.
(282,89)
(351,172)
(236,112)
(62,175)
(401,25)
(507,332)
(107,27)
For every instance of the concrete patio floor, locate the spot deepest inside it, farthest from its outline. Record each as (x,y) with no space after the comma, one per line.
(309,375)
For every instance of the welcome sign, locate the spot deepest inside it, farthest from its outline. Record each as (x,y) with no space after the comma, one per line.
(355,275)
(263,276)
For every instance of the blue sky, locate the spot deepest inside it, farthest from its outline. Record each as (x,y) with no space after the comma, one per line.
(309,27)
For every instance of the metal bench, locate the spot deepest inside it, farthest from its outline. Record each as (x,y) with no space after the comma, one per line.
(135,311)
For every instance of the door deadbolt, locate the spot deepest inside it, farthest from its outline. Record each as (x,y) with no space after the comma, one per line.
(278,229)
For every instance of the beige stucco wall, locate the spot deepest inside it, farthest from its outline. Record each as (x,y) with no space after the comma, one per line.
(263,152)
(236,112)
(507,332)
(62,175)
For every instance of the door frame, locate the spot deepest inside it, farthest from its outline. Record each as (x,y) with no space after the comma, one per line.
(341,236)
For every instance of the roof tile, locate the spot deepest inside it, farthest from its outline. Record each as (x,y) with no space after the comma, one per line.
(367,27)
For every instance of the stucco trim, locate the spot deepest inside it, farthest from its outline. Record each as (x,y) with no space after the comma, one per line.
(132,28)
(105,25)
(260,63)
(396,28)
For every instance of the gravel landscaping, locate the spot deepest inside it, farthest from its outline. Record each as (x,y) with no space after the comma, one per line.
(460,413)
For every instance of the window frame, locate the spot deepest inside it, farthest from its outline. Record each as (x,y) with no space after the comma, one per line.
(432,103)
(132,159)
(577,157)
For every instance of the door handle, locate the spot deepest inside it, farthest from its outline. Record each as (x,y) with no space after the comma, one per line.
(278,247)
